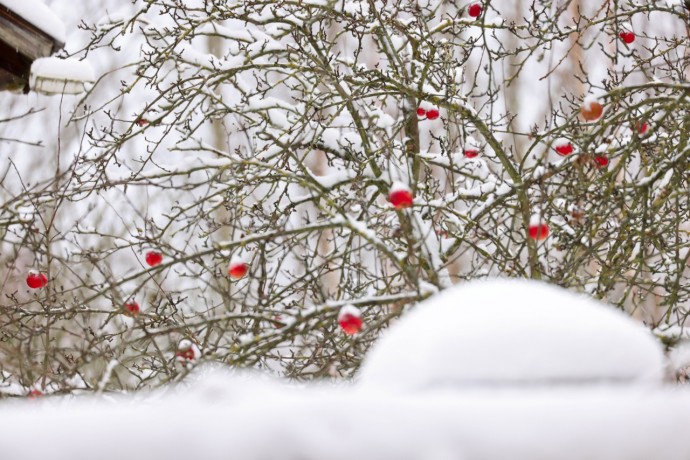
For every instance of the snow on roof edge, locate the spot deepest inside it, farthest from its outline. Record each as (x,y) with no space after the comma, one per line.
(38,14)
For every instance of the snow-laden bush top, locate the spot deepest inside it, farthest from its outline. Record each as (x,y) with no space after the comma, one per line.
(504,332)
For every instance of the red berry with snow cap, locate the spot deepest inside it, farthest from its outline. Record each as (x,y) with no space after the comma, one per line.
(237,268)
(131,308)
(400,196)
(563,147)
(350,319)
(471,149)
(627,36)
(187,351)
(153,258)
(36,280)
(475,10)
(591,109)
(538,229)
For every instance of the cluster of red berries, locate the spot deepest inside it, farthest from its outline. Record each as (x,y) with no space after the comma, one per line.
(132,307)
(237,269)
(565,148)
(431,114)
(592,110)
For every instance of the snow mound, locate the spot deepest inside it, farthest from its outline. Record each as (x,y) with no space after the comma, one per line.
(507,332)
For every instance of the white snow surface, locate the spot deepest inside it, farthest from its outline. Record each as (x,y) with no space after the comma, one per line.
(561,142)
(349,310)
(508,332)
(39,15)
(398,186)
(536,219)
(52,75)
(217,414)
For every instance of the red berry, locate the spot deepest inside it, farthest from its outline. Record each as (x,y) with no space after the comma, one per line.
(186,351)
(141,122)
(153,258)
(131,309)
(602,161)
(471,152)
(432,114)
(187,355)
(627,36)
(400,196)
(591,109)
(36,280)
(641,127)
(421,112)
(35,393)
(350,319)
(475,10)
(237,269)
(538,229)
(564,148)
(471,148)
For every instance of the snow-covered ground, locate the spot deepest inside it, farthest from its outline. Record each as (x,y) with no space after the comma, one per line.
(492,370)
(275,422)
